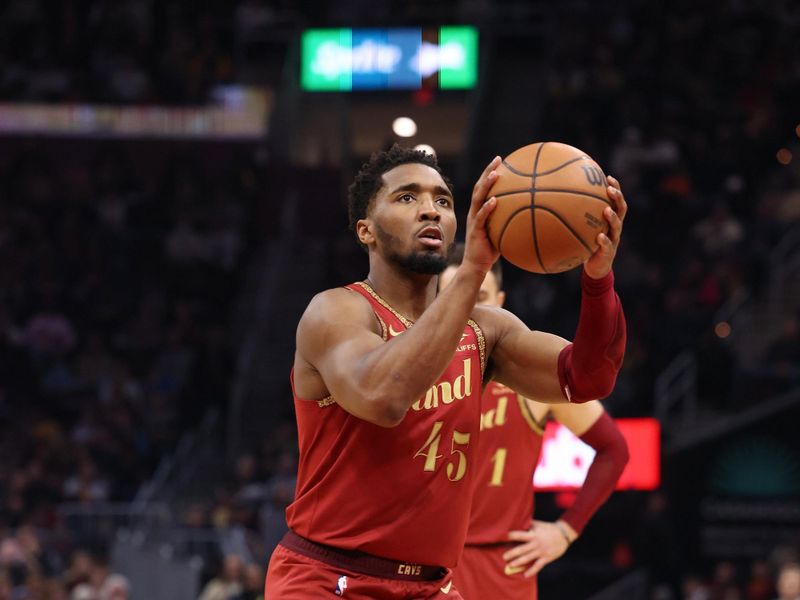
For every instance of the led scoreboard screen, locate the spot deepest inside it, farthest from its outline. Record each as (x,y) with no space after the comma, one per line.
(565,459)
(343,60)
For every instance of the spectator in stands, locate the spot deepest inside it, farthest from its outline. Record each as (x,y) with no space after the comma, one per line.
(253,583)
(115,587)
(227,584)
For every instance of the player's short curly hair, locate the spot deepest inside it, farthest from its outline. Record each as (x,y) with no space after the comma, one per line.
(370,178)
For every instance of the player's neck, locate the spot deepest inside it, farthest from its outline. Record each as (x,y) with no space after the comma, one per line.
(408,293)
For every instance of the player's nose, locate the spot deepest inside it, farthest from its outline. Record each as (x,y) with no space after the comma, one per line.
(428,210)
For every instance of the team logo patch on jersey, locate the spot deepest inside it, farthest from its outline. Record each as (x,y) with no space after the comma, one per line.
(341,586)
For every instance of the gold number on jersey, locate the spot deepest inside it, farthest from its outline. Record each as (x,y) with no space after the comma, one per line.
(463,440)
(430,450)
(499,461)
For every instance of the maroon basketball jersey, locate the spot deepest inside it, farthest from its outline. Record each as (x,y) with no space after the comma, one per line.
(402,493)
(508,451)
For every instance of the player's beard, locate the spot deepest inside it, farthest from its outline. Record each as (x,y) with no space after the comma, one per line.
(422,262)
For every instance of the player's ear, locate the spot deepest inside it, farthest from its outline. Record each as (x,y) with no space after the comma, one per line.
(501,298)
(364,231)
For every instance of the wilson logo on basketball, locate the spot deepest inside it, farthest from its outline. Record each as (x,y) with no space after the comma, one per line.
(594,176)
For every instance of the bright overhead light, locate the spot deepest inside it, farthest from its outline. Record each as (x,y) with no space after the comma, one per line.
(404,127)
(426,148)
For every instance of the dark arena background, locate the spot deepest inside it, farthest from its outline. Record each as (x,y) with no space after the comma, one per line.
(173,181)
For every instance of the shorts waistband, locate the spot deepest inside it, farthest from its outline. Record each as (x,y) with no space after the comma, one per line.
(361,562)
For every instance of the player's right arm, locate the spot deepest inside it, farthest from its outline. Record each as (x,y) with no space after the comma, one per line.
(340,351)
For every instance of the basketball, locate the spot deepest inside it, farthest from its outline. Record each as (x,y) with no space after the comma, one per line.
(550,201)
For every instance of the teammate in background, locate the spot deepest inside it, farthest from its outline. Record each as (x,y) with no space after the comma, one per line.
(505,549)
(387,379)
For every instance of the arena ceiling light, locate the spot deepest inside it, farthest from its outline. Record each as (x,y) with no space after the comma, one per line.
(404,127)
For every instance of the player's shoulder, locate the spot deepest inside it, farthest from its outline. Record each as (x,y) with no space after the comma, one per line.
(336,305)
(492,318)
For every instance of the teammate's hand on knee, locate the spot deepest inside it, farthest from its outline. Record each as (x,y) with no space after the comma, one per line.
(540,545)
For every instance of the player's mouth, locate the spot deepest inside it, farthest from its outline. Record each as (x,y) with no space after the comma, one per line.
(431,237)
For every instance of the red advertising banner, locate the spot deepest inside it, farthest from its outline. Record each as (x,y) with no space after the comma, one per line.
(565,459)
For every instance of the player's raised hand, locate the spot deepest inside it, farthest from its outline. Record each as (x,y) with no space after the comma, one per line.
(599,264)
(540,545)
(478,250)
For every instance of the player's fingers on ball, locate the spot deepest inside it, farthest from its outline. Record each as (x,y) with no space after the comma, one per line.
(495,162)
(484,184)
(617,198)
(613,195)
(479,194)
(485,210)
(611,216)
(605,243)
(614,220)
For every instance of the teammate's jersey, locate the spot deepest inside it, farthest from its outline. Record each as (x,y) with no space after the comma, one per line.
(510,442)
(401,493)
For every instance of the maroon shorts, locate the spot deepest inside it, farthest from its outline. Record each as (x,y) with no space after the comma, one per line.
(293,575)
(482,573)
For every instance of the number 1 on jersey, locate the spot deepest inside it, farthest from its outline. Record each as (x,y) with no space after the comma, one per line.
(499,462)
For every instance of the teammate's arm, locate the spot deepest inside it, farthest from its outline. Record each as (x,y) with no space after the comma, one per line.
(591,423)
(544,542)
(378,381)
(546,367)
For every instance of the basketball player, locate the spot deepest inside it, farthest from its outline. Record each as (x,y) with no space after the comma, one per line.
(504,550)
(387,379)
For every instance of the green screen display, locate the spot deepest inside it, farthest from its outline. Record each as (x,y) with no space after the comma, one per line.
(400,58)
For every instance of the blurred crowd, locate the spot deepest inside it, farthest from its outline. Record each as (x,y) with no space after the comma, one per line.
(117,274)
(115,294)
(687,109)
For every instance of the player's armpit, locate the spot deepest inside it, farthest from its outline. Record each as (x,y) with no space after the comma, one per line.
(524,360)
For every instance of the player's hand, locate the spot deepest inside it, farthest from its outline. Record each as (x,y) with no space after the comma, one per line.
(541,544)
(599,264)
(478,250)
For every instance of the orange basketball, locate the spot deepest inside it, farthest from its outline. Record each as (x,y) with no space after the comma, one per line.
(550,201)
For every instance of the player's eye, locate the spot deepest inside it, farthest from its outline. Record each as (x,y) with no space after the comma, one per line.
(406,198)
(444,201)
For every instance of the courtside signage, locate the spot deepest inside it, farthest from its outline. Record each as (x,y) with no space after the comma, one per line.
(343,60)
(565,459)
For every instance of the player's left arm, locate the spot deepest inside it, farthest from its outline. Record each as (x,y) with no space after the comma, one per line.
(548,368)
(545,542)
